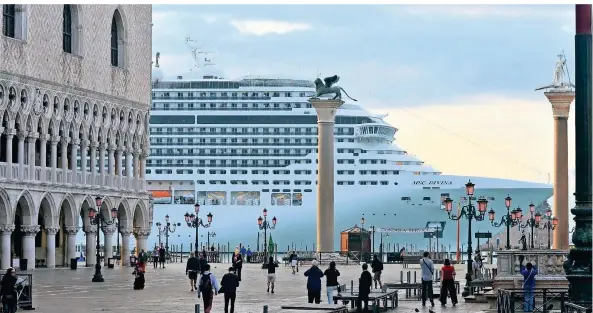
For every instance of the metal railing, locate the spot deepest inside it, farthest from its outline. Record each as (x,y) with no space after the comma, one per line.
(541,300)
(570,307)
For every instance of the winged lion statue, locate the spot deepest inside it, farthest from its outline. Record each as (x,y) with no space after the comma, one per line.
(328,88)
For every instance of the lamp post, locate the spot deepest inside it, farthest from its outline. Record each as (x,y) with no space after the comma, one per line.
(96,218)
(550,225)
(165,229)
(362,219)
(209,235)
(264,225)
(117,227)
(196,222)
(508,220)
(533,220)
(470,212)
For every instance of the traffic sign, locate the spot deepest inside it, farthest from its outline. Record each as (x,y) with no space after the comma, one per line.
(480,235)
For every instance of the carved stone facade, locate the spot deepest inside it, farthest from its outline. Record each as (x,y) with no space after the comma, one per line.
(74,112)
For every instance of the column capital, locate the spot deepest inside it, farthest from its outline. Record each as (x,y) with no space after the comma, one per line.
(90,229)
(126,231)
(93,144)
(109,230)
(84,143)
(22,135)
(54,140)
(141,232)
(10,132)
(7,228)
(560,101)
(75,142)
(51,230)
(32,136)
(71,230)
(30,230)
(326,109)
(103,146)
(44,137)
(112,147)
(65,140)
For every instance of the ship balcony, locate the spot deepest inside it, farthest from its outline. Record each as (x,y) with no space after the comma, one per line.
(374,132)
(59,176)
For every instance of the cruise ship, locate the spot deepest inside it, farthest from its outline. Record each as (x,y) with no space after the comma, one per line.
(237,146)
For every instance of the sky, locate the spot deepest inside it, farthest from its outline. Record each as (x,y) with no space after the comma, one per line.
(457,81)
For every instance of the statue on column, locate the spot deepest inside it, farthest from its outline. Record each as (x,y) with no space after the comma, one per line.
(523,241)
(559,71)
(328,87)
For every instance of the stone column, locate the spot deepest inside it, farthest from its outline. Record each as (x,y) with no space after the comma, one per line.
(43,156)
(112,159)
(125,245)
(64,155)
(136,164)
(6,245)
(102,147)
(83,158)
(141,235)
(71,232)
(91,243)
(50,256)
(21,153)
(31,155)
(93,163)
(108,245)
(118,161)
(326,114)
(29,232)
(143,157)
(54,158)
(9,135)
(73,155)
(560,101)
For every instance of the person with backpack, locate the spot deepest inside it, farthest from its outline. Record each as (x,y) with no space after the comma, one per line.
(377,267)
(427,273)
(208,288)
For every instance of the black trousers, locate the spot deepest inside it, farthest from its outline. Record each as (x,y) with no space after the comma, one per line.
(239,273)
(230,297)
(314,295)
(448,286)
(162,261)
(362,298)
(155,260)
(427,291)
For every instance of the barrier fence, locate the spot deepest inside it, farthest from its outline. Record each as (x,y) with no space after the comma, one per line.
(542,300)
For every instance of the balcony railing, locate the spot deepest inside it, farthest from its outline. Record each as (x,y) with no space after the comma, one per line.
(21,172)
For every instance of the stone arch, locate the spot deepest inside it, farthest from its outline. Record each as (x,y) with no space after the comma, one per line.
(42,128)
(52,129)
(5,208)
(30,125)
(140,215)
(25,205)
(119,37)
(106,205)
(7,122)
(18,122)
(48,210)
(67,209)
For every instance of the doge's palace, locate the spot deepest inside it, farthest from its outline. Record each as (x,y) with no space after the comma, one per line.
(74,101)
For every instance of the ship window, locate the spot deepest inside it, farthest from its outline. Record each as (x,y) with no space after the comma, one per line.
(308,190)
(426,199)
(406,198)
(172,119)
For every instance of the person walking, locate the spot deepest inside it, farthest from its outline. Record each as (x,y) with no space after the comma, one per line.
(8,292)
(202,264)
(248,254)
(427,273)
(448,283)
(143,259)
(314,275)
(377,267)
(191,270)
(155,257)
(162,256)
(331,281)
(365,283)
(238,264)
(294,262)
(271,273)
(228,286)
(528,271)
(207,288)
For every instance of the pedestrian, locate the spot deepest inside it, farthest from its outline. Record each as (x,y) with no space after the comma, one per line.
(377,267)
(238,264)
(271,273)
(448,283)
(528,271)
(228,286)
(155,257)
(191,270)
(294,262)
(162,256)
(202,264)
(331,281)
(8,292)
(314,275)
(427,273)
(208,288)
(143,258)
(365,283)
(477,266)
(139,279)
(249,253)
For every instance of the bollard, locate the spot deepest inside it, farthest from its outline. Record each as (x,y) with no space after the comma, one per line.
(351,287)
(265,309)
(197,308)
(401,276)
(415,279)
(408,277)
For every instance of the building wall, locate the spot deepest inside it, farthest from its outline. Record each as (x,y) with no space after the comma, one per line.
(89,69)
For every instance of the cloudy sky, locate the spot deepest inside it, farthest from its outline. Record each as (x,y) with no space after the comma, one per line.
(457,81)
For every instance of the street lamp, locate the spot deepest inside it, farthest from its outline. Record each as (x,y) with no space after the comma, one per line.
(362,219)
(264,225)
(550,225)
(165,229)
(508,220)
(470,212)
(209,235)
(533,220)
(196,222)
(96,218)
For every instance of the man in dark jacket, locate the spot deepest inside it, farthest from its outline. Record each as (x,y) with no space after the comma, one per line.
(314,275)
(238,265)
(162,256)
(229,284)
(191,270)
(377,267)
(364,289)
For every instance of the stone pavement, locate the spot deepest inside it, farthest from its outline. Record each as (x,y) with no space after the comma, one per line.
(168,290)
